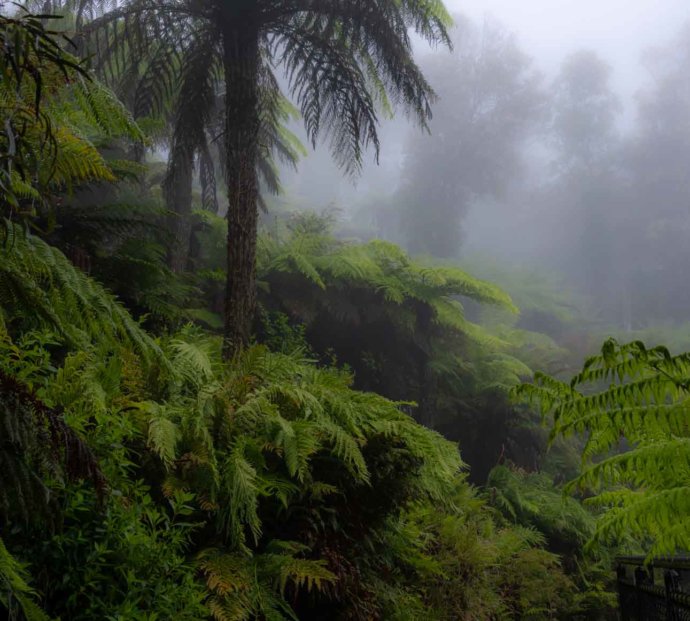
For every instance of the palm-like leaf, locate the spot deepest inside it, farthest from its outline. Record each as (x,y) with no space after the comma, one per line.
(342,60)
(644,489)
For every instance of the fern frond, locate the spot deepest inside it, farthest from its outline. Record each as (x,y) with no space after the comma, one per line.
(13,578)
(646,402)
(40,285)
(239,496)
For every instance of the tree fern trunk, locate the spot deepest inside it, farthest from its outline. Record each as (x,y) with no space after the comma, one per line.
(177,189)
(426,399)
(241,60)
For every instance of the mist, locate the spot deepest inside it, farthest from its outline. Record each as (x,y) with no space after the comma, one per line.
(557,147)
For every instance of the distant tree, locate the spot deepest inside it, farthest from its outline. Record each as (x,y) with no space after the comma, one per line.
(624,199)
(657,217)
(585,182)
(584,111)
(489,99)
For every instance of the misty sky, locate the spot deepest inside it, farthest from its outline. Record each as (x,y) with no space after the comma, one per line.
(548,31)
(618,29)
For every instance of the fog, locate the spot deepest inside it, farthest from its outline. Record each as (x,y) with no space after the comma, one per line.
(618,30)
(560,144)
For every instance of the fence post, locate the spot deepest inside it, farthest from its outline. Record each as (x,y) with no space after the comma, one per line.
(671,585)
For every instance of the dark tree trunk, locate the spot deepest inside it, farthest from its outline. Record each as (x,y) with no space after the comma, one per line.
(177,189)
(427,394)
(241,60)
(426,400)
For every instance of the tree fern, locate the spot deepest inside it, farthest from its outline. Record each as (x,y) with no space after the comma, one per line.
(39,286)
(299,412)
(244,587)
(379,265)
(341,65)
(384,270)
(639,395)
(30,53)
(51,111)
(15,592)
(400,323)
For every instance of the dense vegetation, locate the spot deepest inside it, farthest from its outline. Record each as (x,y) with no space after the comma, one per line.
(205,418)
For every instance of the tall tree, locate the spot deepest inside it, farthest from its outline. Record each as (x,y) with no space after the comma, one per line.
(340,59)
(622,201)
(584,192)
(489,98)
(657,215)
(584,111)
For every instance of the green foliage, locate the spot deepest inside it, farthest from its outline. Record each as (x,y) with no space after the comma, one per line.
(532,500)
(311,252)
(270,486)
(40,288)
(52,114)
(37,446)
(116,553)
(473,566)
(278,334)
(130,562)
(637,395)
(244,587)
(29,53)
(13,578)
(269,478)
(285,408)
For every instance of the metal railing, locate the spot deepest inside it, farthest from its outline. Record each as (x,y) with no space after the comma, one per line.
(657,591)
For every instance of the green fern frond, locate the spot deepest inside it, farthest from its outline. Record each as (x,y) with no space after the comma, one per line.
(13,580)
(239,496)
(645,488)
(39,285)
(162,435)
